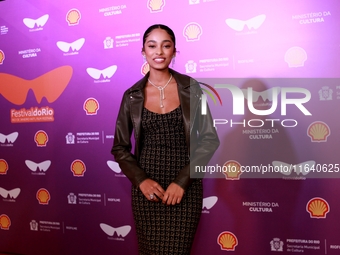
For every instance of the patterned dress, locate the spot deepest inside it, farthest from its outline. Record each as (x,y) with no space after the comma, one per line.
(163,229)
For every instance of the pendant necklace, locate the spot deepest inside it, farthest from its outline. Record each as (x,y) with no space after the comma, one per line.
(161,90)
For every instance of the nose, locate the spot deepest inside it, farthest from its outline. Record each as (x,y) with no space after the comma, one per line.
(159,51)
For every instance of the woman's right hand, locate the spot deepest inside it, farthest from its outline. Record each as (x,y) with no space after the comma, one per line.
(152,190)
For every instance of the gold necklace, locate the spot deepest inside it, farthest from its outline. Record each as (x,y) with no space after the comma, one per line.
(161,90)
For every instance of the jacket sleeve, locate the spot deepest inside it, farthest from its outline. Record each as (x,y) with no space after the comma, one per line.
(204,142)
(122,145)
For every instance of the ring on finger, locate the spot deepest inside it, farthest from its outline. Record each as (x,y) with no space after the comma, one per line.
(151,196)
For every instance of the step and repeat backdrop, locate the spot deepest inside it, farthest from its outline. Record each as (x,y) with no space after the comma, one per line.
(269,72)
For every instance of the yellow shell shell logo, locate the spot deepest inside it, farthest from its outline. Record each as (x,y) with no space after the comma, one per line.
(43,196)
(232,170)
(72,17)
(5,222)
(318,131)
(295,57)
(41,138)
(317,208)
(227,241)
(156,5)
(145,68)
(91,106)
(78,168)
(192,32)
(3,166)
(2,57)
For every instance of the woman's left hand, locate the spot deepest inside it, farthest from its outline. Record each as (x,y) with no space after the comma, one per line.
(173,194)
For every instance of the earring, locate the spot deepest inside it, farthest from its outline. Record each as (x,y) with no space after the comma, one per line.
(144,58)
(173,61)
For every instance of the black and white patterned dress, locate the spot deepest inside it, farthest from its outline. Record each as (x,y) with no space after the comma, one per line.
(163,229)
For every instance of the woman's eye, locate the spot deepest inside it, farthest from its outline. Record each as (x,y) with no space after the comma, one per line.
(151,46)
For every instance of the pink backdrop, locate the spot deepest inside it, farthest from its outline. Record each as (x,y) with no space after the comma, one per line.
(64,66)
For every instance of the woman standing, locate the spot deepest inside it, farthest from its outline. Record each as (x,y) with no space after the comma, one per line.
(164,111)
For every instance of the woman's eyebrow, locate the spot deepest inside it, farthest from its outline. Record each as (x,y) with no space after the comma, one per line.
(153,41)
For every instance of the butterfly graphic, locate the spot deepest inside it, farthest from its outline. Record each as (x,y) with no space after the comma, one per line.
(10,138)
(30,23)
(265,95)
(209,202)
(303,168)
(106,73)
(49,85)
(76,45)
(43,166)
(14,193)
(114,166)
(121,231)
(238,25)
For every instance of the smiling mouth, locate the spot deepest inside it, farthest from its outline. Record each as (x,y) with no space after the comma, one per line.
(159,60)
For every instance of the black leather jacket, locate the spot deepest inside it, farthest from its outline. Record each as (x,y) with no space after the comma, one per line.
(201,136)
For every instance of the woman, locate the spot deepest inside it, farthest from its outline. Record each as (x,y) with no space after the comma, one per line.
(164,111)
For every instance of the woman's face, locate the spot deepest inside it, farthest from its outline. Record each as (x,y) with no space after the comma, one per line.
(158,49)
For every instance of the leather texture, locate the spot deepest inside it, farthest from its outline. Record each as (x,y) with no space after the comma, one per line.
(201,135)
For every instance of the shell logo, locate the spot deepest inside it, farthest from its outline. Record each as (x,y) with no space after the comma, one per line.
(43,196)
(78,168)
(91,106)
(41,138)
(318,131)
(232,170)
(72,17)
(3,166)
(155,5)
(5,222)
(192,32)
(145,68)
(317,207)
(2,57)
(295,57)
(227,240)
